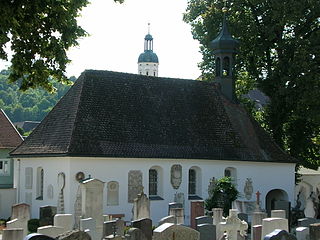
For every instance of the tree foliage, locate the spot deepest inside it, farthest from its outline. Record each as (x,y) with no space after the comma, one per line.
(280,52)
(39,32)
(222,195)
(32,104)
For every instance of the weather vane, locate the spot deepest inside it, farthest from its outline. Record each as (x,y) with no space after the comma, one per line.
(148,28)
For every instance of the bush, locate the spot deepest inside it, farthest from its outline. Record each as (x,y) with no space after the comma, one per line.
(33,225)
(222,195)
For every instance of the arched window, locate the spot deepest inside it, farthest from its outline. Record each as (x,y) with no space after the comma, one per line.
(113,193)
(194,183)
(40,177)
(226,66)
(232,173)
(155,183)
(218,67)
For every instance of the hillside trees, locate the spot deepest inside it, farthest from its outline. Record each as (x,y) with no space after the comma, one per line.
(280,51)
(39,32)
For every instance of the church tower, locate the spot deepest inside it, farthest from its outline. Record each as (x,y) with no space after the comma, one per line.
(148,61)
(224,49)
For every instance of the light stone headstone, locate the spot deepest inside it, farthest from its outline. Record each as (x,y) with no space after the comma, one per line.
(270,224)
(141,207)
(89,224)
(167,219)
(135,234)
(134,184)
(92,202)
(257,218)
(51,231)
(179,215)
(177,232)
(278,234)
(145,225)
(20,211)
(233,224)
(314,231)
(12,234)
(278,214)
(302,233)
(217,215)
(18,223)
(207,231)
(63,220)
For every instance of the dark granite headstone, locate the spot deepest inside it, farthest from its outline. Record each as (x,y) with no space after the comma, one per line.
(305,222)
(145,225)
(243,216)
(117,226)
(207,231)
(46,215)
(280,235)
(135,234)
(37,236)
(314,231)
(202,220)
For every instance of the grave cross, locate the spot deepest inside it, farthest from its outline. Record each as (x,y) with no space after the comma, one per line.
(232,225)
(114,227)
(258,197)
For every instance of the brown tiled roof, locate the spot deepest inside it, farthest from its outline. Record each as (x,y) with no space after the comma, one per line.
(113,114)
(9,136)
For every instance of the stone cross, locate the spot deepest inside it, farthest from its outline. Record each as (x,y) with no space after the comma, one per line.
(233,224)
(258,197)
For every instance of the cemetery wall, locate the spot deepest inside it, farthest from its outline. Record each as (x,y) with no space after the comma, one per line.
(265,177)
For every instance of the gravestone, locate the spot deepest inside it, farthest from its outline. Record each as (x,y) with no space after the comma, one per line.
(283,205)
(305,222)
(302,233)
(278,214)
(12,234)
(46,215)
(257,218)
(115,226)
(18,223)
(135,234)
(74,235)
(243,216)
(174,205)
(279,235)
(256,232)
(197,210)
(233,224)
(134,184)
(179,198)
(207,231)
(314,231)
(141,207)
(21,210)
(63,220)
(270,224)
(167,219)
(179,215)
(217,215)
(88,225)
(37,236)
(145,225)
(202,220)
(61,184)
(92,202)
(169,231)
(51,231)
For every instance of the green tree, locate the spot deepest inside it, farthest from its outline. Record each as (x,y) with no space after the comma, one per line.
(222,195)
(40,33)
(280,51)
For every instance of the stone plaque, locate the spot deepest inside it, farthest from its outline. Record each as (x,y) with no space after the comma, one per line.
(248,189)
(134,184)
(176,176)
(50,191)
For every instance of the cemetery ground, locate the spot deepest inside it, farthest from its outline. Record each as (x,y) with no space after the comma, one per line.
(203,225)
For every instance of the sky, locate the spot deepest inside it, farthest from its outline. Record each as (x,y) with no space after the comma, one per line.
(117,34)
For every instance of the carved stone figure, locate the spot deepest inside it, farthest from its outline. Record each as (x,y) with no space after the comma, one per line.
(248,189)
(212,185)
(176,176)
(61,184)
(134,184)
